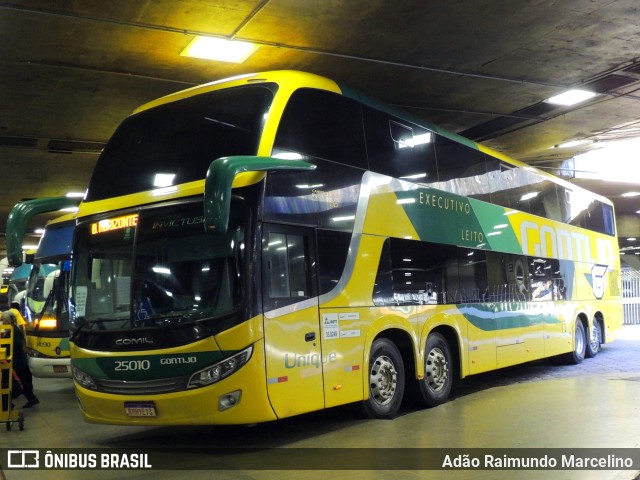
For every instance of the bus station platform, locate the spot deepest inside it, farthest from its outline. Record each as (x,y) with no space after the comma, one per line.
(595,405)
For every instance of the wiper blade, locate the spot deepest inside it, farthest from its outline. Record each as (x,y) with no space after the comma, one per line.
(77,330)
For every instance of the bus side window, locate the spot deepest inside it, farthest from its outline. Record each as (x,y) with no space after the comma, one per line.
(287,272)
(398,148)
(461,169)
(322,124)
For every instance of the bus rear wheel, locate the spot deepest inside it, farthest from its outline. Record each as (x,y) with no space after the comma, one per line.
(438,371)
(595,339)
(579,345)
(386,380)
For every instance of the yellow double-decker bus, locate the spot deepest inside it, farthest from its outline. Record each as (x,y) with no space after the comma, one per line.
(43,301)
(277,243)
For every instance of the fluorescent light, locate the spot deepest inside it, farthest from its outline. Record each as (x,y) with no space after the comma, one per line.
(163,270)
(29,247)
(163,179)
(39,231)
(421,139)
(631,194)
(574,143)
(502,225)
(571,97)
(528,196)
(491,234)
(69,209)
(75,195)
(402,201)
(288,156)
(344,219)
(219,49)
(412,177)
(631,239)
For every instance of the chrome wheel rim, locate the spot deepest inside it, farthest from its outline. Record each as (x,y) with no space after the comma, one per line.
(436,370)
(383,380)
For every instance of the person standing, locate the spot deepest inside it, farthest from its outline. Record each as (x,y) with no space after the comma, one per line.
(20,361)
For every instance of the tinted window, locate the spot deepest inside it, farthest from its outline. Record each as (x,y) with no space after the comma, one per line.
(421,273)
(579,208)
(520,188)
(287,267)
(545,280)
(461,169)
(180,140)
(333,248)
(399,148)
(322,124)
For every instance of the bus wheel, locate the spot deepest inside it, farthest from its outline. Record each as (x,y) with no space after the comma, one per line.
(438,371)
(386,380)
(593,345)
(580,345)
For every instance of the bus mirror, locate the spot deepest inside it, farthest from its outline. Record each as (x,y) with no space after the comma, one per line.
(220,176)
(21,214)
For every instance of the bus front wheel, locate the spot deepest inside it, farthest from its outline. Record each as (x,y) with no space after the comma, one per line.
(386,380)
(438,371)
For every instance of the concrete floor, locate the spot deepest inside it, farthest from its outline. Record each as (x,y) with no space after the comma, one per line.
(593,405)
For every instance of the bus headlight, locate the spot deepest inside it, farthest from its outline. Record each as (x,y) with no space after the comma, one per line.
(83,379)
(218,371)
(32,353)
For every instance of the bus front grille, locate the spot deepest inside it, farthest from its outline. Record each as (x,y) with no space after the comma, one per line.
(148,387)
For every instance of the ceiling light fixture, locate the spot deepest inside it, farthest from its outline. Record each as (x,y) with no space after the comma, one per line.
(573,143)
(571,97)
(631,194)
(219,49)
(163,179)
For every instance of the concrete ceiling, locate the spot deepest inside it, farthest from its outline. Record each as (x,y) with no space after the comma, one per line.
(71,70)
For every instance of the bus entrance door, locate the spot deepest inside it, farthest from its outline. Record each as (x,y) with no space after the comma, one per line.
(291,321)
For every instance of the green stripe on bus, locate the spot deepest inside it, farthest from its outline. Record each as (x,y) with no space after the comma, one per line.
(148,367)
(510,316)
(443,217)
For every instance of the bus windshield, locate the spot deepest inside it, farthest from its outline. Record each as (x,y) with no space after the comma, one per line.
(160,270)
(194,132)
(39,287)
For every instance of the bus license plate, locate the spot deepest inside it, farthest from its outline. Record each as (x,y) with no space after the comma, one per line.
(60,369)
(140,409)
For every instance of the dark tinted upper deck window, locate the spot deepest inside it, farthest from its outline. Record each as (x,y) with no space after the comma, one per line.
(323,124)
(181,138)
(399,148)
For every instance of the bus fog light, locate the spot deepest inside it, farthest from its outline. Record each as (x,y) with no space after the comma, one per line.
(220,370)
(229,400)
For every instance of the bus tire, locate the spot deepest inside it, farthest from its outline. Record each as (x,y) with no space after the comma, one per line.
(579,345)
(436,385)
(386,380)
(595,339)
